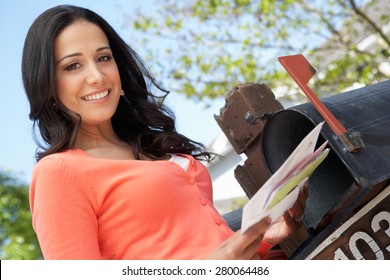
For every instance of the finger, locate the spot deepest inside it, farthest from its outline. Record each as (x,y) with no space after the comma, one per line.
(234,249)
(249,241)
(291,224)
(303,194)
(252,250)
(256,256)
(258,228)
(297,210)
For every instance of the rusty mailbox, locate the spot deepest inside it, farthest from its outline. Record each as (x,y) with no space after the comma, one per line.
(347,214)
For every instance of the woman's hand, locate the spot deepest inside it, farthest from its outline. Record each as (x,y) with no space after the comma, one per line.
(288,223)
(242,246)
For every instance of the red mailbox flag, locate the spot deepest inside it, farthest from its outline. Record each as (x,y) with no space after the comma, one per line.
(301,71)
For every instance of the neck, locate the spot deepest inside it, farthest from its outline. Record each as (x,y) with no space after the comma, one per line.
(102,142)
(92,137)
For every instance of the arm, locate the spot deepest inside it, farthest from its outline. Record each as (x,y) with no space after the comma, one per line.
(243,246)
(246,246)
(288,223)
(63,216)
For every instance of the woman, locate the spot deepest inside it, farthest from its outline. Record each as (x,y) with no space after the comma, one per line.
(114,180)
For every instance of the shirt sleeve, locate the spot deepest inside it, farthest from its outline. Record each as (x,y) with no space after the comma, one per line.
(63,216)
(264,249)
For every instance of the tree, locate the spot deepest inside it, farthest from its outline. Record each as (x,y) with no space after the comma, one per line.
(17,238)
(203,48)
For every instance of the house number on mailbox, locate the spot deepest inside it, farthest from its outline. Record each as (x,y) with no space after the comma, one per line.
(365,237)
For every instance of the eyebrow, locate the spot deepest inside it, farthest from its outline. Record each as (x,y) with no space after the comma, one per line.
(78,53)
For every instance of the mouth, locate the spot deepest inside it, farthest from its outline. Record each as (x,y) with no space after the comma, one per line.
(96,96)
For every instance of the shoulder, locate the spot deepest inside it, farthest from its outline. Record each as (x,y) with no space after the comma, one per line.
(58,160)
(58,167)
(55,173)
(65,155)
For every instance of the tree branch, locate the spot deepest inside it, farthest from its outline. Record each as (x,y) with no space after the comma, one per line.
(370,22)
(330,26)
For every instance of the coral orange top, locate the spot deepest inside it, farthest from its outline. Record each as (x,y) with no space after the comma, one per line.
(89,208)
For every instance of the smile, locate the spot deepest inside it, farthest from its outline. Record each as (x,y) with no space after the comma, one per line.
(96,96)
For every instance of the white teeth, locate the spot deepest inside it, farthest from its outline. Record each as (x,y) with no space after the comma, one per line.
(96,96)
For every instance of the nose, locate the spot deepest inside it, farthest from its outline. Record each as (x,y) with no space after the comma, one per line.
(94,75)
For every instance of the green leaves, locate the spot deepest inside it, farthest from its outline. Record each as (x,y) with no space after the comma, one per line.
(206,47)
(144,23)
(17,238)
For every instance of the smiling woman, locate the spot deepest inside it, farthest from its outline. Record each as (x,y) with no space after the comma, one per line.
(59,124)
(107,184)
(87,77)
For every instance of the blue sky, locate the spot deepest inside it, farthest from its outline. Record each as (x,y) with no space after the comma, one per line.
(16,142)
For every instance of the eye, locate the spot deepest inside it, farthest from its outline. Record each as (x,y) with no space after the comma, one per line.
(72,66)
(104,58)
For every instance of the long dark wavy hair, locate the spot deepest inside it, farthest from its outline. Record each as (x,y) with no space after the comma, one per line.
(141,119)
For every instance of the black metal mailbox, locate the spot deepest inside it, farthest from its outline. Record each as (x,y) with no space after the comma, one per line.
(343,183)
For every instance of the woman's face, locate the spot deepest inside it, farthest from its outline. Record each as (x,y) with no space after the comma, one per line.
(87,77)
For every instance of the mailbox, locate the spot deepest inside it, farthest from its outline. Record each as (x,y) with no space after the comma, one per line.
(348,193)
